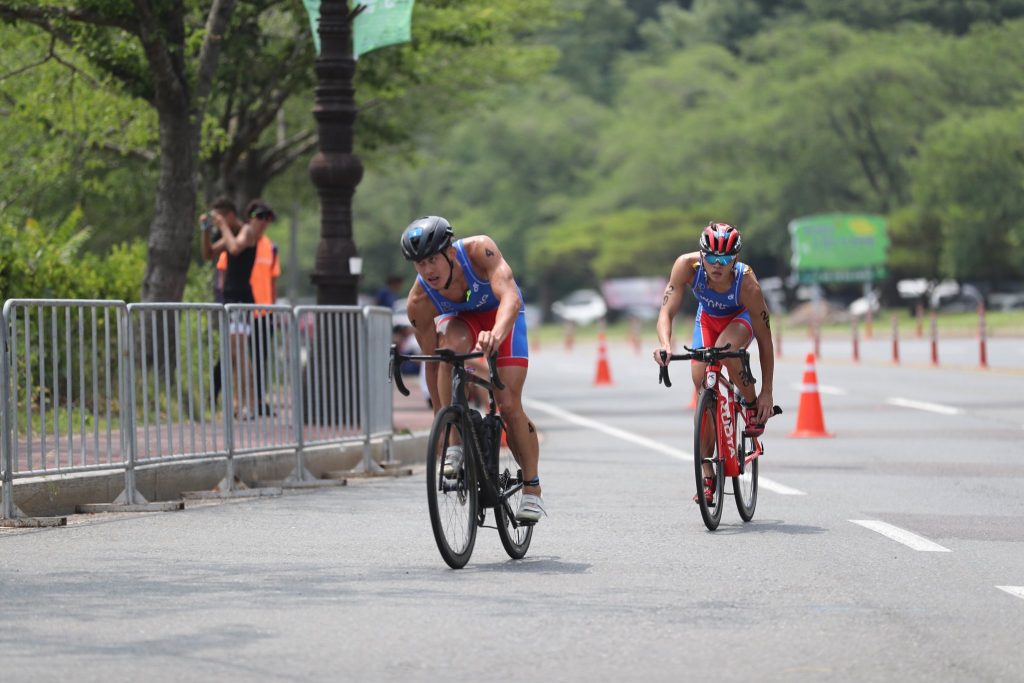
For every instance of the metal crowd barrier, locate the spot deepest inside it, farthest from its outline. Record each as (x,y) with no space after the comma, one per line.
(101,385)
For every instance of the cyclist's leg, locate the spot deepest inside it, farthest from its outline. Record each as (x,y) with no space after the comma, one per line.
(738,334)
(457,335)
(522,435)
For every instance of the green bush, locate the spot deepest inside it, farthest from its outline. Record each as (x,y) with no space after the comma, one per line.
(38,262)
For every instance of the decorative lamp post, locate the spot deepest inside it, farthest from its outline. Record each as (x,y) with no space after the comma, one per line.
(335,170)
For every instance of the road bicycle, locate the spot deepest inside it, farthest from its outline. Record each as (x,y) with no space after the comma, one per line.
(489,478)
(720,438)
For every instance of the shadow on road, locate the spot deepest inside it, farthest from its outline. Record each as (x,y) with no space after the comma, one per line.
(531,565)
(770,526)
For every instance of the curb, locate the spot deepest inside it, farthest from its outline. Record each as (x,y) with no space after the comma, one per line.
(167,483)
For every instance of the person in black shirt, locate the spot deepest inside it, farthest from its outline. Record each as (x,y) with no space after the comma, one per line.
(223,231)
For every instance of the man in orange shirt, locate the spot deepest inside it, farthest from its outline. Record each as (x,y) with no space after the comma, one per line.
(263,280)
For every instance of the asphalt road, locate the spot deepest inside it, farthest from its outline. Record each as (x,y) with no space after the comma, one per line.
(875,555)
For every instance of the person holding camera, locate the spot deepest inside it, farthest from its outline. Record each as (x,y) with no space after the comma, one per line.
(223,232)
(266,270)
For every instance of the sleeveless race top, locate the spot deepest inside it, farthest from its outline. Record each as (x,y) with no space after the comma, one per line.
(479,295)
(719,304)
(237,289)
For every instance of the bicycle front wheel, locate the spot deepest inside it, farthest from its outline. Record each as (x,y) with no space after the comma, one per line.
(452,501)
(706,456)
(514,537)
(744,487)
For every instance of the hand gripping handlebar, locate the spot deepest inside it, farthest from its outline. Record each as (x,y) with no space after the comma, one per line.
(709,354)
(441,356)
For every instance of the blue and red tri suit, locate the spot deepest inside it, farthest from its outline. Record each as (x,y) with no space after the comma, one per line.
(479,310)
(715,310)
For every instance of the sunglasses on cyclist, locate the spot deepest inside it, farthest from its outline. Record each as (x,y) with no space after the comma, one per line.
(719,260)
(264,215)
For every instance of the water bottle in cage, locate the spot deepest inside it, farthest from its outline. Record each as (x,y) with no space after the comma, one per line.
(492,427)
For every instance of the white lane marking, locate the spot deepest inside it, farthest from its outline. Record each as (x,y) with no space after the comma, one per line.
(1013,590)
(924,405)
(678,454)
(907,538)
(822,389)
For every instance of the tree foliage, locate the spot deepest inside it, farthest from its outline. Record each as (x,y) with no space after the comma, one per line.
(575,132)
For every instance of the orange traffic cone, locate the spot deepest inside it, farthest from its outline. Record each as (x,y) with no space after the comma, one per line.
(809,421)
(604,373)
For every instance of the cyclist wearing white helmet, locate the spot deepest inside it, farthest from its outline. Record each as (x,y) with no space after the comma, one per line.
(731,310)
(469,289)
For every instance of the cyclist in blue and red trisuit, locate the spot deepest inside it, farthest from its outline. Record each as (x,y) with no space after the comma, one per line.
(731,310)
(466,298)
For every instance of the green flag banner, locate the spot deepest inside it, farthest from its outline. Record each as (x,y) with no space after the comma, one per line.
(383,22)
(313,9)
(839,247)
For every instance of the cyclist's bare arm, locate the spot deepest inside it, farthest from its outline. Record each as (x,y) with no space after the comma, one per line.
(487,261)
(421,312)
(752,298)
(681,276)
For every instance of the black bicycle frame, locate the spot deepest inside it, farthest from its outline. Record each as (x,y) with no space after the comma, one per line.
(460,377)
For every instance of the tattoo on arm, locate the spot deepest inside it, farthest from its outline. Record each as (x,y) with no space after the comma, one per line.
(746,378)
(489,253)
(530,425)
(766,319)
(668,293)
(413,323)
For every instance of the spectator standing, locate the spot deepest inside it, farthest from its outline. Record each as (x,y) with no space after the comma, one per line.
(239,243)
(390,292)
(266,269)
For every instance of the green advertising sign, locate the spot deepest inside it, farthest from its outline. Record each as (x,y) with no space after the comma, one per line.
(383,22)
(839,247)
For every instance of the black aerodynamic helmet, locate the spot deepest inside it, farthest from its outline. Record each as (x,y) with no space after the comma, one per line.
(720,238)
(425,237)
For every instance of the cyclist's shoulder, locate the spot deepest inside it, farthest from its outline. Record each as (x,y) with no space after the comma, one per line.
(687,264)
(419,301)
(475,245)
(749,287)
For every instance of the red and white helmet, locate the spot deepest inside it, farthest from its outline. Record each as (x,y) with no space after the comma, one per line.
(720,238)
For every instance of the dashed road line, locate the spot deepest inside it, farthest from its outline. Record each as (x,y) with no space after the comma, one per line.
(907,538)
(821,389)
(924,405)
(1017,591)
(651,444)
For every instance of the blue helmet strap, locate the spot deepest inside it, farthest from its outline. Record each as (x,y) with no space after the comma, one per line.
(451,269)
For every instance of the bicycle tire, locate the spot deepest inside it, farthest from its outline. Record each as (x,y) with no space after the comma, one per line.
(453,503)
(515,539)
(703,420)
(744,486)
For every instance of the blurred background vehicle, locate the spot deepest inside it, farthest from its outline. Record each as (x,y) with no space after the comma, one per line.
(584,306)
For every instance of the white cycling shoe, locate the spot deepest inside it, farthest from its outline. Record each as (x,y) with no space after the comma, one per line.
(531,509)
(453,461)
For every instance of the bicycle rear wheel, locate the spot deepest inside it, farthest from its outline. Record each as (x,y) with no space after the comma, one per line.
(744,487)
(514,537)
(452,502)
(705,430)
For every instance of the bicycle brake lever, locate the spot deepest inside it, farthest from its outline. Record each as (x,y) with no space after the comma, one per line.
(492,364)
(663,371)
(395,370)
(776,410)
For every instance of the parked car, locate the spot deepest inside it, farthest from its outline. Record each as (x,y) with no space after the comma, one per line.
(860,307)
(952,297)
(582,307)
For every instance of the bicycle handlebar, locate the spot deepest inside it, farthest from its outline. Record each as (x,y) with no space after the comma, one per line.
(710,354)
(441,356)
